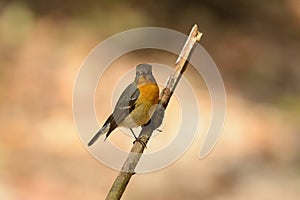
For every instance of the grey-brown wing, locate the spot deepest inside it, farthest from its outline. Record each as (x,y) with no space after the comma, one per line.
(126,103)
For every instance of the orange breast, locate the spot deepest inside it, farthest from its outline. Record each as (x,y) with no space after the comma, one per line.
(149,93)
(144,107)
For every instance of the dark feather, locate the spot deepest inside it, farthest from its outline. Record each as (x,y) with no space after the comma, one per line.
(124,106)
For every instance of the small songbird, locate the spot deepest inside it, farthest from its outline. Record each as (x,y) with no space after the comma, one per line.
(135,105)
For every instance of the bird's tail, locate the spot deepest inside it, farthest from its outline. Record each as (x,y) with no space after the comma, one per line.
(102,131)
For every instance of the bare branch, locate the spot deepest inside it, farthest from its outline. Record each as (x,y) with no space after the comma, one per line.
(137,150)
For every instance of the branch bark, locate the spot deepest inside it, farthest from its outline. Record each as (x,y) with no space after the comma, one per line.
(137,150)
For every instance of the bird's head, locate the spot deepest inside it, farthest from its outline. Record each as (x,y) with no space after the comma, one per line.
(144,74)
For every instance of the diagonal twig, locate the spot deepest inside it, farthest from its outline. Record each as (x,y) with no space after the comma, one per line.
(137,150)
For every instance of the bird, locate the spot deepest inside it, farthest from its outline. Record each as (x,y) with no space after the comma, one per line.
(135,106)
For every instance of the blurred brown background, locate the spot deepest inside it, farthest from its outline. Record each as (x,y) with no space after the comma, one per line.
(256,46)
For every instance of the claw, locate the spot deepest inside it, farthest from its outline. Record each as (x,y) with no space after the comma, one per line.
(141,142)
(138,139)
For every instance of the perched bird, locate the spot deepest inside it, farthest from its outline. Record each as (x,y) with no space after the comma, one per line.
(135,105)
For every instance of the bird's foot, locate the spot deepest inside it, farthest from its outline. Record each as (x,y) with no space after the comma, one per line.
(140,141)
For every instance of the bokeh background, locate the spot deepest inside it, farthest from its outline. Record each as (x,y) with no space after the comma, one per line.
(256,46)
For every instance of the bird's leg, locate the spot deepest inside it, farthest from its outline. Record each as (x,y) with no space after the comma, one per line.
(133,134)
(138,139)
